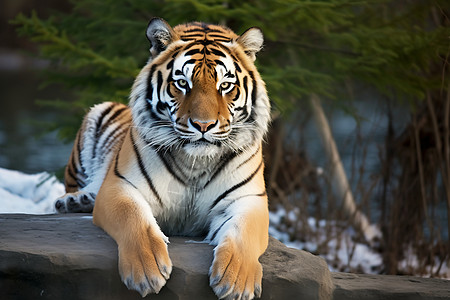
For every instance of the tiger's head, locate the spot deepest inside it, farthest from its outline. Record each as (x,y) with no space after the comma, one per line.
(200,90)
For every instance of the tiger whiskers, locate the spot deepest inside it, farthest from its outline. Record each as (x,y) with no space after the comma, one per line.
(192,167)
(159,141)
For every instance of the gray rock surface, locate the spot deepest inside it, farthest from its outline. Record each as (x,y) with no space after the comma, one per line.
(67,257)
(375,287)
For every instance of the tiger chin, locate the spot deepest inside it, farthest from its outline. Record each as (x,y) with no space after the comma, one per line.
(183,158)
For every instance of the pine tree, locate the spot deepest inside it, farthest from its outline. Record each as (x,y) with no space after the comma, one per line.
(312,47)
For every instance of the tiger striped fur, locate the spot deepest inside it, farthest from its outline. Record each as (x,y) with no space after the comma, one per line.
(184,158)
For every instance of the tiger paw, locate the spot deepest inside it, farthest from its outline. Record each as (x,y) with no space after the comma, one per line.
(234,274)
(144,265)
(78,202)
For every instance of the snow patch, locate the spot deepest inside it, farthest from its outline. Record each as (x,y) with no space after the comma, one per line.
(341,249)
(342,253)
(31,194)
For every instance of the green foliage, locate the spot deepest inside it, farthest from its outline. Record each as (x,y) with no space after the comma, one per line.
(311,46)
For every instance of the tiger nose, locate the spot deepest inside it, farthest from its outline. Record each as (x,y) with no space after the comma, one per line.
(203,126)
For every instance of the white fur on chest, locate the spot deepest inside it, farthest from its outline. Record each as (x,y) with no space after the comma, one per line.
(189,190)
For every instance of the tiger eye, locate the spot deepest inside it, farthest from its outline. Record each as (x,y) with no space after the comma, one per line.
(182,83)
(225,85)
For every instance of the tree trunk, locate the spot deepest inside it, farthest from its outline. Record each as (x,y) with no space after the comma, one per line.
(338,177)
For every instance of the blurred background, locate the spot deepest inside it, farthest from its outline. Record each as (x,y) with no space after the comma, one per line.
(361,109)
(25,144)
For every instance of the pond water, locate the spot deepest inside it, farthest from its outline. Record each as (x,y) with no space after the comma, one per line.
(24,145)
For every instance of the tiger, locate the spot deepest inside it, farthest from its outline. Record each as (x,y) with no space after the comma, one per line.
(184,157)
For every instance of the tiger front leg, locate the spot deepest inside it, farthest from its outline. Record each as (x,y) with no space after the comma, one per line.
(241,239)
(144,263)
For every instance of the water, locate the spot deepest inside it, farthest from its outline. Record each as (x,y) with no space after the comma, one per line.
(24,145)
(359,136)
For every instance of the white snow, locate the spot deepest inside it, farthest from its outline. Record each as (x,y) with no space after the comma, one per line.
(32,194)
(342,251)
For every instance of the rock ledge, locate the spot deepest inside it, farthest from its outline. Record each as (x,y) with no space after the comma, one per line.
(67,257)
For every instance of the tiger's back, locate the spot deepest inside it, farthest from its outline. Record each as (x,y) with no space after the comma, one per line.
(100,136)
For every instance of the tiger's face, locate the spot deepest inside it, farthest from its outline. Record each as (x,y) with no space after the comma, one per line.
(201,91)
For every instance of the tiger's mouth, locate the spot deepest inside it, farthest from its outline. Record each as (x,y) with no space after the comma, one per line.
(202,147)
(201,142)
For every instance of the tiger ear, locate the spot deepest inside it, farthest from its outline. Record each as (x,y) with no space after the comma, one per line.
(160,35)
(251,41)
